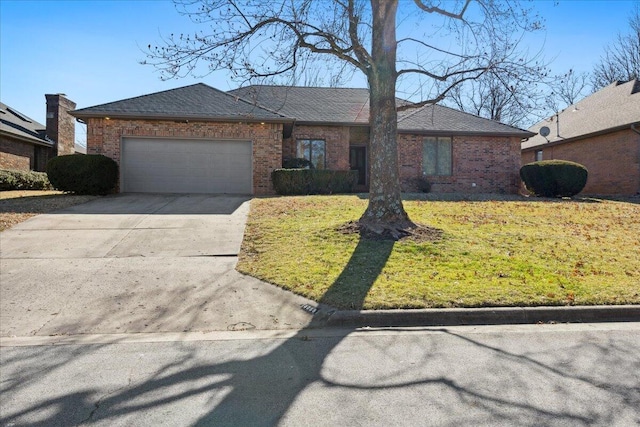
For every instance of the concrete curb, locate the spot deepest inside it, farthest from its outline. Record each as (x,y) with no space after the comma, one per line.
(476,316)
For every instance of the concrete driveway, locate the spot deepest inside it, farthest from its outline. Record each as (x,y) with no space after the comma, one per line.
(136,263)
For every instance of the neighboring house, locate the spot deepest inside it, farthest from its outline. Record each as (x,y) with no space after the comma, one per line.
(202,140)
(27,145)
(601,132)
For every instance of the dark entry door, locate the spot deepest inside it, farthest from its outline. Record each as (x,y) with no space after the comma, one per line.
(358,161)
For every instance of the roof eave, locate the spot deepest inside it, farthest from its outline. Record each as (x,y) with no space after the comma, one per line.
(522,134)
(326,123)
(135,116)
(579,137)
(31,140)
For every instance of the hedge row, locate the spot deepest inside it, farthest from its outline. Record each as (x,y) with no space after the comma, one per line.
(554,178)
(22,180)
(92,174)
(313,181)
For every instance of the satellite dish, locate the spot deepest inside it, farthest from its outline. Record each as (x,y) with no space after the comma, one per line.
(545,131)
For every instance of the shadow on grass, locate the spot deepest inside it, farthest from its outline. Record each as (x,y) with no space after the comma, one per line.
(260,389)
(494,197)
(623,199)
(365,265)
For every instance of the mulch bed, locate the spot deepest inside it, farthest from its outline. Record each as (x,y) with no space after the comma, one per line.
(417,233)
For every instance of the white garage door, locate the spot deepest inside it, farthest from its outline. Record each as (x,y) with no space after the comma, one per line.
(158,165)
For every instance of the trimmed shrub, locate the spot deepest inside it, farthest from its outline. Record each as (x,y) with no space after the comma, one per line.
(554,178)
(92,174)
(297,163)
(423,185)
(23,180)
(313,181)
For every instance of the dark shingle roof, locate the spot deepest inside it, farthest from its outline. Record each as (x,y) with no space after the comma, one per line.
(198,101)
(17,125)
(311,104)
(305,105)
(314,105)
(613,107)
(440,119)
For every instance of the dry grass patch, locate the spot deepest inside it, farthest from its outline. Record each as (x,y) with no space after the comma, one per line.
(522,252)
(18,206)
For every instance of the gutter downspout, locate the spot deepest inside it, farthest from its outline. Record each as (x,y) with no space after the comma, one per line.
(633,128)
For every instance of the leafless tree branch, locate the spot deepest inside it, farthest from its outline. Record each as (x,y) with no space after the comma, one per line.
(435,9)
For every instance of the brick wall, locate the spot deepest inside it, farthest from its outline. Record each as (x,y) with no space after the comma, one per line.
(15,154)
(613,161)
(60,124)
(336,143)
(491,163)
(105,137)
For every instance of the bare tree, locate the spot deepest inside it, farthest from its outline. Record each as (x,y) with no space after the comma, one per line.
(439,46)
(519,100)
(508,99)
(567,89)
(621,60)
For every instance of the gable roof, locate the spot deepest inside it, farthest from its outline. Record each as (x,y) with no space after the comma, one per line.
(614,107)
(348,106)
(438,119)
(16,125)
(311,105)
(304,105)
(194,102)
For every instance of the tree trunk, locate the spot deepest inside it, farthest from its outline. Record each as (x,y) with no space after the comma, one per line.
(385,211)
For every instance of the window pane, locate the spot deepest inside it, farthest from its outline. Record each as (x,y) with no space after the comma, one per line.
(539,156)
(444,156)
(317,154)
(429,156)
(312,150)
(304,149)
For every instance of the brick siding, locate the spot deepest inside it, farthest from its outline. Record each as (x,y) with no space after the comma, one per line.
(491,163)
(60,124)
(613,161)
(336,143)
(105,137)
(15,154)
(21,155)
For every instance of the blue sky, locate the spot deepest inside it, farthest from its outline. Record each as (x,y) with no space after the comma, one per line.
(90,50)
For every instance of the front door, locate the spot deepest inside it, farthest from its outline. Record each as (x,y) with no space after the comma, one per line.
(358,161)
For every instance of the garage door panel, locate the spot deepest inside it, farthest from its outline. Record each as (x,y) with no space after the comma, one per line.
(186,166)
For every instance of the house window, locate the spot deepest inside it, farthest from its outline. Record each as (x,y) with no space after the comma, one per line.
(436,156)
(312,150)
(539,156)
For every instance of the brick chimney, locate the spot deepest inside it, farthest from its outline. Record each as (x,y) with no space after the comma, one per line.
(61,126)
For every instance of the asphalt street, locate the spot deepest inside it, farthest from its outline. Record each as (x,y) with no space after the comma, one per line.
(526,375)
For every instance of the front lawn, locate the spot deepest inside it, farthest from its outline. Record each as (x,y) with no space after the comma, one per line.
(518,252)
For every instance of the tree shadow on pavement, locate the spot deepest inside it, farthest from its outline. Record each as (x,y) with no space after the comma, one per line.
(260,390)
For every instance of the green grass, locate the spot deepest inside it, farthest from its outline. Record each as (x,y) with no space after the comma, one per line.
(523,252)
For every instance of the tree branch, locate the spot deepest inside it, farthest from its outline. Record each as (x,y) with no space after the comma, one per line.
(435,9)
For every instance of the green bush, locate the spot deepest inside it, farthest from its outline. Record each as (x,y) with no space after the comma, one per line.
(313,181)
(297,163)
(92,174)
(554,178)
(23,180)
